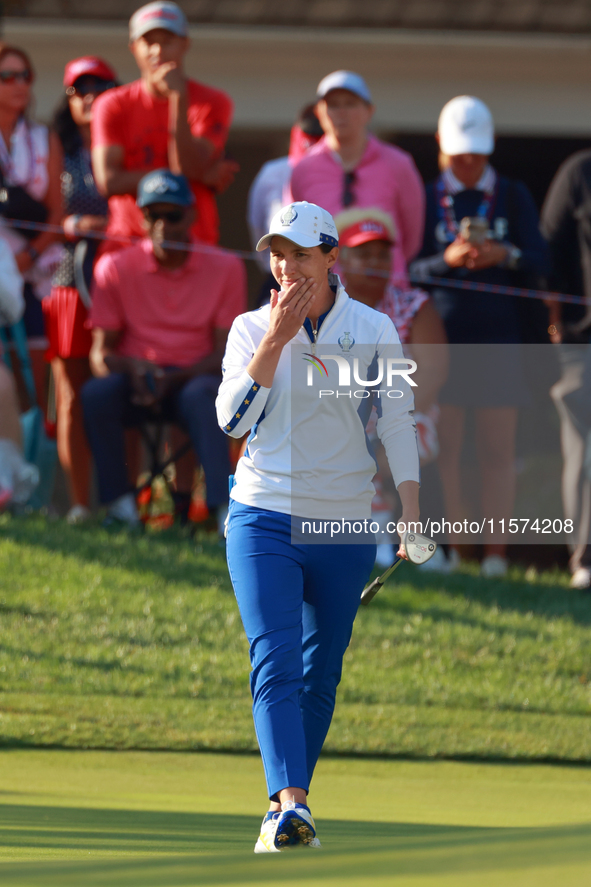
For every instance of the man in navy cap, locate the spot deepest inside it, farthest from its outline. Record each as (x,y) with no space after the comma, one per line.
(161,313)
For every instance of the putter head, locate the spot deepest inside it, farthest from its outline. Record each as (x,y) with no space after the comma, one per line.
(418,548)
(370,591)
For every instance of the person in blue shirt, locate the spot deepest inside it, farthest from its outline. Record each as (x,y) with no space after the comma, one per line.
(482,227)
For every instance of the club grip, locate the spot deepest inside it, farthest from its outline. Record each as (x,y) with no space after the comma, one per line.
(370,592)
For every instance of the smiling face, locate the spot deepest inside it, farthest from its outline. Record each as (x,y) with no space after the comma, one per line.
(15,92)
(343,114)
(367,268)
(156,48)
(290,262)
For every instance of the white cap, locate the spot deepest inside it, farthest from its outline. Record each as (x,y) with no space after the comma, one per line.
(466,127)
(303,223)
(344,80)
(160,14)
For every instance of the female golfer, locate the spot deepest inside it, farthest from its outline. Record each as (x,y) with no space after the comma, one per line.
(295,372)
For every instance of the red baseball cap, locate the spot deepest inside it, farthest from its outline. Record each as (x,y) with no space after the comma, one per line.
(364,231)
(87,65)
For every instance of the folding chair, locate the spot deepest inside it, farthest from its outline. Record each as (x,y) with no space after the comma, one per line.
(152,433)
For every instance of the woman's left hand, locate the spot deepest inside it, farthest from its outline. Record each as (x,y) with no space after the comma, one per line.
(407,519)
(486,255)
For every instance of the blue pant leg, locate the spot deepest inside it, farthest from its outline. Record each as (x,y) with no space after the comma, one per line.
(195,406)
(267,576)
(107,411)
(334,578)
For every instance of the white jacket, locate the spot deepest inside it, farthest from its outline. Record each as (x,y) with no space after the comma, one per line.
(308,453)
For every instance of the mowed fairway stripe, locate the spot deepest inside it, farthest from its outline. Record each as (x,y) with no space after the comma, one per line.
(544,857)
(170,820)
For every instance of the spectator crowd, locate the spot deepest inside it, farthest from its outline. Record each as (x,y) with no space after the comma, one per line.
(109,260)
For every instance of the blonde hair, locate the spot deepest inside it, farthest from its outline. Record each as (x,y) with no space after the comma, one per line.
(443,161)
(351,217)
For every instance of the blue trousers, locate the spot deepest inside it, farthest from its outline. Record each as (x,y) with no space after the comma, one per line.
(298,604)
(108,410)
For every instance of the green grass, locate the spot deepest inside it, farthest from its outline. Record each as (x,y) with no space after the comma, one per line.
(111,641)
(107,819)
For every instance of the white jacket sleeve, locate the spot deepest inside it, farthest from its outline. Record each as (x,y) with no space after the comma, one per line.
(241,400)
(12,303)
(396,424)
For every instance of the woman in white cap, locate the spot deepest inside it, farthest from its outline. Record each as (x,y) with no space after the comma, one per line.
(481,227)
(304,482)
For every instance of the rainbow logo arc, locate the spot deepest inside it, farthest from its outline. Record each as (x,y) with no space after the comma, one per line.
(316,362)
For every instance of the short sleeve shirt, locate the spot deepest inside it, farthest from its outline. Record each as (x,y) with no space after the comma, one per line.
(132,118)
(167,316)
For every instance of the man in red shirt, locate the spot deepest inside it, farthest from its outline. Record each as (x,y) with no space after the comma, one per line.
(160,318)
(162,120)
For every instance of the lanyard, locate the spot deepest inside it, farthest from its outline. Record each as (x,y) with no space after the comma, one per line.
(445,206)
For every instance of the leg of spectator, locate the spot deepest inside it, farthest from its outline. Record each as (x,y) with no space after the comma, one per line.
(10,428)
(195,404)
(185,466)
(107,411)
(69,375)
(37,342)
(451,436)
(495,442)
(576,488)
(134,455)
(39,367)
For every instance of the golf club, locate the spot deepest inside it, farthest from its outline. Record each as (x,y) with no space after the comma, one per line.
(418,548)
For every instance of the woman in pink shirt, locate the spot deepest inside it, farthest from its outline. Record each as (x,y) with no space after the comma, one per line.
(349,167)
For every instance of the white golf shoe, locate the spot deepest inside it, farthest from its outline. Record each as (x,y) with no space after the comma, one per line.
(494,567)
(292,827)
(266,840)
(581,578)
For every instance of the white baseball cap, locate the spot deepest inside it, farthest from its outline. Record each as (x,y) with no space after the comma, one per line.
(466,126)
(344,80)
(161,14)
(303,223)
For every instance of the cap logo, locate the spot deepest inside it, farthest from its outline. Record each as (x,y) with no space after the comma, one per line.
(371,226)
(288,217)
(160,185)
(468,124)
(158,13)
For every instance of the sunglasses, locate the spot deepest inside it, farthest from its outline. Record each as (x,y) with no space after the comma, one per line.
(174,216)
(25,76)
(348,196)
(91,88)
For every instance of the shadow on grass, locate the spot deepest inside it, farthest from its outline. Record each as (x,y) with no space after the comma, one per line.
(509,595)
(176,558)
(171,554)
(200,848)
